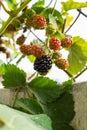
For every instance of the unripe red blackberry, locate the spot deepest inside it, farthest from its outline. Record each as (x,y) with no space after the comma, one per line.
(37,50)
(26,49)
(66,42)
(39,21)
(62,63)
(20,40)
(54,43)
(43,64)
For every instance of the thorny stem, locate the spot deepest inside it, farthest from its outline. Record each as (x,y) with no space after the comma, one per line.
(80,73)
(13,16)
(15,97)
(73,23)
(36,36)
(4,7)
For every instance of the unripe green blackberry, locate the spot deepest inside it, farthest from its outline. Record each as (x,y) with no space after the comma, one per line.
(20,40)
(50,30)
(62,63)
(43,64)
(30,13)
(66,42)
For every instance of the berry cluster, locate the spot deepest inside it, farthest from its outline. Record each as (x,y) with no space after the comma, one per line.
(43,64)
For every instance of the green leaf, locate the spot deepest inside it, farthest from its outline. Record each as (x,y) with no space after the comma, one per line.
(52,20)
(11,119)
(61,111)
(70,4)
(81,43)
(56,14)
(14,77)
(77,59)
(2,69)
(45,89)
(31,58)
(39,3)
(30,105)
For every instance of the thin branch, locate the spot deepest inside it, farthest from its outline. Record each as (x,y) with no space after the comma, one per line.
(20,59)
(80,73)
(79,10)
(4,7)
(70,75)
(73,23)
(13,16)
(54,7)
(49,3)
(36,36)
(63,26)
(15,97)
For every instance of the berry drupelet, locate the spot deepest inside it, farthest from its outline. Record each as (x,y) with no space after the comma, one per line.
(39,21)
(66,42)
(43,64)
(54,43)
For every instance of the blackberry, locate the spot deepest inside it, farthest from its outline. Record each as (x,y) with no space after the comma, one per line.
(43,64)
(21,40)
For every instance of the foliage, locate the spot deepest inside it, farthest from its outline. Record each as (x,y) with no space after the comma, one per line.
(11,119)
(44,95)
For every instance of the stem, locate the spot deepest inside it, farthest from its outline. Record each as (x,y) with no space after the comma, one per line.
(79,10)
(20,59)
(30,77)
(4,7)
(49,3)
(13,16)
(54,7)
(70,75)
(80,73)
(73,23)
(15,97)
(63,26)
(36,36)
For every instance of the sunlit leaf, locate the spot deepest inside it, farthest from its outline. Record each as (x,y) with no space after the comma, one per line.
(11,119)
(14,77)
(70,4)
(77,59)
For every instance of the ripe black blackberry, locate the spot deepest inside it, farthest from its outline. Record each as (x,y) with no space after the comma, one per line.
(43,64)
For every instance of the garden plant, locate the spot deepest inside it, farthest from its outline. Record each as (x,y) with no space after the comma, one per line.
(49,104)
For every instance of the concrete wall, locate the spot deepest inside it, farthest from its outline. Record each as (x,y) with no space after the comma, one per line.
(80,97)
